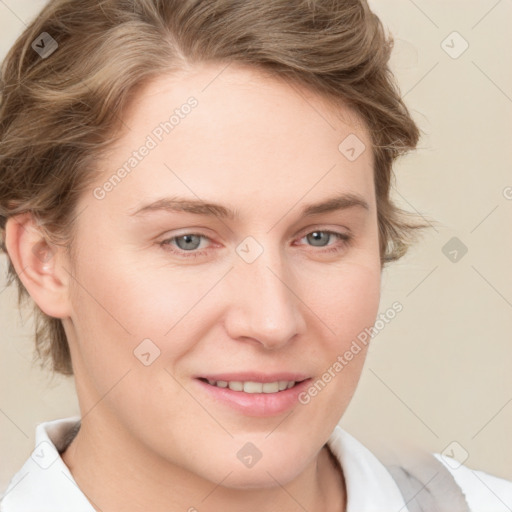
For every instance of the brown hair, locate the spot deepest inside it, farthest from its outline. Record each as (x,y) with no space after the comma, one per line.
(59,113)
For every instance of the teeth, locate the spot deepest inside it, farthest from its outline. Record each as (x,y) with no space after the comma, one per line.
(269,387)
(283,384)
(236,386)
(254,387)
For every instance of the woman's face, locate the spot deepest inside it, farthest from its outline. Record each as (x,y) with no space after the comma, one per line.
(262,287)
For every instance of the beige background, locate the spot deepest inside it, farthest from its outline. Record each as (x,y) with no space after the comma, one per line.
(440,371)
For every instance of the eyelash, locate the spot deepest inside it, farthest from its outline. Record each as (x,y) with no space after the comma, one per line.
(345,239)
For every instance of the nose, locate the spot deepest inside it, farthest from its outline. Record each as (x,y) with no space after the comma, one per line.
(264,306)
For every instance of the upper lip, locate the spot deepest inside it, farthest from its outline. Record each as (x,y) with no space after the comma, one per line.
(255,377)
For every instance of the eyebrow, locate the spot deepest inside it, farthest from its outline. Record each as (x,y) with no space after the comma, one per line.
(200,207)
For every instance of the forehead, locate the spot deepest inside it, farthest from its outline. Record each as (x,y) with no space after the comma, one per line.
(238,90)
(247,133)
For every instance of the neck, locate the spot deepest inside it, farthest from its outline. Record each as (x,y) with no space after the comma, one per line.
(117,472)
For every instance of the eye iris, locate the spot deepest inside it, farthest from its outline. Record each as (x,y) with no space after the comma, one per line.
(191,242)
(194,240)
(316,236)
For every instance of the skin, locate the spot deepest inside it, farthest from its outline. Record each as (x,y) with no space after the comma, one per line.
(264,149)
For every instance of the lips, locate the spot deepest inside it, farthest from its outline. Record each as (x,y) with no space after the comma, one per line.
(255,377)
(254,382)
(252,386)
(253,402)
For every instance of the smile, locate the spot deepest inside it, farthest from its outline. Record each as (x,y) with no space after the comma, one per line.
(253,387)
(252,398)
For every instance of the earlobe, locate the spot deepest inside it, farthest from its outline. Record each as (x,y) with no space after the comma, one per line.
(38,264)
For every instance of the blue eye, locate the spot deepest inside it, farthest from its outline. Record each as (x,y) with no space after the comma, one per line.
(187,245)
(320,238)
(188,242)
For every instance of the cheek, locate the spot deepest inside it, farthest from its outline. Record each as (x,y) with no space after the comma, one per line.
(346,300)
(346,294)
(361,296)
(348,305)
(119,302)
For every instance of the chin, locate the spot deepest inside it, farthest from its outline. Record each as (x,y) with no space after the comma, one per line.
(263,473)
(246,479)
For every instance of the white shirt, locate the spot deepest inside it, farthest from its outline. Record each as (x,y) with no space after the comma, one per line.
(45,484)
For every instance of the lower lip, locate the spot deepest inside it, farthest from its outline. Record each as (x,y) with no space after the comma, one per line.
(256,404)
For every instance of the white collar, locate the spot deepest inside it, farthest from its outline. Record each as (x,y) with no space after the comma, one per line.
(370,487)
(45,484)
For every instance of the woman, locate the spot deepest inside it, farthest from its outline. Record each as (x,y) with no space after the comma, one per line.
(196,197)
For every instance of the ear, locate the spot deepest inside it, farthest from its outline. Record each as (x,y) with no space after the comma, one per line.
(39,265)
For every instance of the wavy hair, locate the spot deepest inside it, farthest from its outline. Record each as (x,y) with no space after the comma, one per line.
(60,113)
